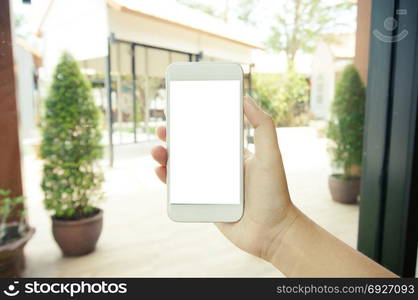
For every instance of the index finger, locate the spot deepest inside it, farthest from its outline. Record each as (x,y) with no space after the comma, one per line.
(161,133)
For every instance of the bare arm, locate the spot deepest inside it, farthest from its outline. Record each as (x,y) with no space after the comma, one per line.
(272,227)
(304,249)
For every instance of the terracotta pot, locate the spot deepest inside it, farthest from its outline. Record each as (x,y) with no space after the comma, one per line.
(78,237)
(12,260)
(344,190)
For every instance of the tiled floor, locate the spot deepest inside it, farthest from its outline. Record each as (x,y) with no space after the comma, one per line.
(139,240)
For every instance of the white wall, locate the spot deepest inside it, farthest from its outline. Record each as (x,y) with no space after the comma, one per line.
(76,26)
(82,27)
(25,92)
(322,81)
(148,61)
(152,32)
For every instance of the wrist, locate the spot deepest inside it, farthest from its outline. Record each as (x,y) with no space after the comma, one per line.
(278,233)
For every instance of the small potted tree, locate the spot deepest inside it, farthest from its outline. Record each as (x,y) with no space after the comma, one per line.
(13,235)
(345,130)
(71,148)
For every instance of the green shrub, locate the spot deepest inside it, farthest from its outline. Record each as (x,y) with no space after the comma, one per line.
(345,128)
(284,97)
(266,90)
(9,207)
(71,144)
(293,93)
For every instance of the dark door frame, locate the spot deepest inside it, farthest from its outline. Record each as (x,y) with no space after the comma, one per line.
(388,225)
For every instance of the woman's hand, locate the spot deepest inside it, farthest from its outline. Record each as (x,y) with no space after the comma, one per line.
(272,227)
(268,210)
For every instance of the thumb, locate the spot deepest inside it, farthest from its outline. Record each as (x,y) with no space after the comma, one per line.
(266,146)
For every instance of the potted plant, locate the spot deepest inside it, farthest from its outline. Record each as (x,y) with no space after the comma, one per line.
(345,129)
(13,235)
(71,148)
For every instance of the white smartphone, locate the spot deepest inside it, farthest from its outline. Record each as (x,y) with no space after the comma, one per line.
(205,176)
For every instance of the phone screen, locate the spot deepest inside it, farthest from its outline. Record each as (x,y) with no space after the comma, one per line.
(204,142)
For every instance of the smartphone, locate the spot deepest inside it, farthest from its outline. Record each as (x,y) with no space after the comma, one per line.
(205,176)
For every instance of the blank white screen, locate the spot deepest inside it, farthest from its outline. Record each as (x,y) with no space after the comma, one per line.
(204,142)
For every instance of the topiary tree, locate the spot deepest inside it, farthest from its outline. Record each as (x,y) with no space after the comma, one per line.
(345,128)
(71,144)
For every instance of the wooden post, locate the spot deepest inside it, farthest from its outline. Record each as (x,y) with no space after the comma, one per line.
(361,59)
(10,168)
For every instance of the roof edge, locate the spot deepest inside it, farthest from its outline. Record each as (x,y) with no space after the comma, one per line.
(118,7)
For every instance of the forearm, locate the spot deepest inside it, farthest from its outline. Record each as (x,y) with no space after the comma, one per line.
(304,249)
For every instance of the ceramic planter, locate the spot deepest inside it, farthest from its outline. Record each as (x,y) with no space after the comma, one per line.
(78,237)
(11,255)
(344,190)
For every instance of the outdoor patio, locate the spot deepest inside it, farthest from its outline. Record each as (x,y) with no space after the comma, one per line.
(139,240)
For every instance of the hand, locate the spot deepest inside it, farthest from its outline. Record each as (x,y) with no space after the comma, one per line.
(268,210)
(272,227)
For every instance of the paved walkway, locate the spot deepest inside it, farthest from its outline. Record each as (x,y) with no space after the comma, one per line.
(139,240)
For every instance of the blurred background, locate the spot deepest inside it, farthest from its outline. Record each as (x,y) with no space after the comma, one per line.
(294,53)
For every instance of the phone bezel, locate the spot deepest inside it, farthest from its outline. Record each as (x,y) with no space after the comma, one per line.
(205,71)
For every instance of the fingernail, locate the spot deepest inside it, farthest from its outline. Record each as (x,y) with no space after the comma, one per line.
(251,102)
